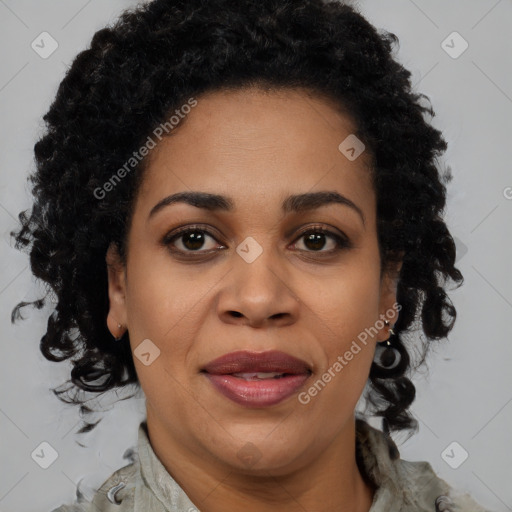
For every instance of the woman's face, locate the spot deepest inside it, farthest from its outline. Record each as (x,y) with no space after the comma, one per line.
(255,273)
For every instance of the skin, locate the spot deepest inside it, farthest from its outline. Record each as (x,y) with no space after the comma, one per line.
(256,147)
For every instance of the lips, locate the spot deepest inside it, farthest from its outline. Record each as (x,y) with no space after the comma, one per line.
(257,379)
(243,361)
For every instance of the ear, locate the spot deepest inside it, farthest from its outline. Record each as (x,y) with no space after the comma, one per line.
(116,293)
(388,307)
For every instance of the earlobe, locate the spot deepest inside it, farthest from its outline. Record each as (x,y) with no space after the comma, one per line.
(116,319)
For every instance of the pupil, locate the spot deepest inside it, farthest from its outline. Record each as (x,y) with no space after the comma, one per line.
(193,240)
(315,241)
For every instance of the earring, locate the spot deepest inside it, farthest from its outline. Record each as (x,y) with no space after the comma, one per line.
(387,355)
(120,337)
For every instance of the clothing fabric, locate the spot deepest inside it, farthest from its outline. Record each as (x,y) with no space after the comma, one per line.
(401,486)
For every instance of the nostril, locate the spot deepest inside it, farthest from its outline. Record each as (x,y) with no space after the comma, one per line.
(236,313)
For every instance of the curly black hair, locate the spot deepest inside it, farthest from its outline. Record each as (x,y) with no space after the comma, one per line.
(148,63)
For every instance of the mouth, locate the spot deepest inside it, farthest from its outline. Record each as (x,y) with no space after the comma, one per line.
(257,379)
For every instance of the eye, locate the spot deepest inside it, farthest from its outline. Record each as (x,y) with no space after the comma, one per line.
(191,239)
(198,240)
(319,239)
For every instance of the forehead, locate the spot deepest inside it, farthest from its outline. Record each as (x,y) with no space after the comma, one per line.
(258,142)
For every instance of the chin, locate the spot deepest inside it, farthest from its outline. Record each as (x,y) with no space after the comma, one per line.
(260,453)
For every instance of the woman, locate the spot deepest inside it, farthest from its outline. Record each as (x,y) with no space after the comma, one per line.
(238,208)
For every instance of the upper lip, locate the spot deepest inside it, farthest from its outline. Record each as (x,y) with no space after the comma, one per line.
(245,361)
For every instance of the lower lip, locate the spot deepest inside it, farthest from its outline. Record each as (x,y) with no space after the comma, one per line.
(257,393)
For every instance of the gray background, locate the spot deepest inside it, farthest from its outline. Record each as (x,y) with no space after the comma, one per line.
(464,394)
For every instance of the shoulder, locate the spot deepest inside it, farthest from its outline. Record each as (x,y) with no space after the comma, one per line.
(426,491)
(117,493)
(408,486)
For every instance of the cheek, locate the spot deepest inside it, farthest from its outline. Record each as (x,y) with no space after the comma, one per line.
(345,309)
(345,303)
(163,299)
(347,350)
(165,305)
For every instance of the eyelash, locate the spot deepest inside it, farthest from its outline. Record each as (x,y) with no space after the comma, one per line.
(342,242)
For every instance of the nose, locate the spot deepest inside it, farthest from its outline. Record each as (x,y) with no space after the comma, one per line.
(258,294)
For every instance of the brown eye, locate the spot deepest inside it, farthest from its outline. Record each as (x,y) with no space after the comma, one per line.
(320,240)
(191,240)
(315,241)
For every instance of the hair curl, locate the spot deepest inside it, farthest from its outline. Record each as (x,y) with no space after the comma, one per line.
(145,66)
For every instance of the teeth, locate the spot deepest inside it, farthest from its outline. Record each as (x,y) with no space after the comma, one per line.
(258,376)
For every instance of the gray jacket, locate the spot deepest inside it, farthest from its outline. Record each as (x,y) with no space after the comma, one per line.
(402,486)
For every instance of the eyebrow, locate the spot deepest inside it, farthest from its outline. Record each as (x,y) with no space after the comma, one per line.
(295,203)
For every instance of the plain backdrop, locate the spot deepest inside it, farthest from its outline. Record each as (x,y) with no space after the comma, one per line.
(465,392)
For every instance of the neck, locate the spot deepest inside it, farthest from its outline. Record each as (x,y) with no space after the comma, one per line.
(330,480)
